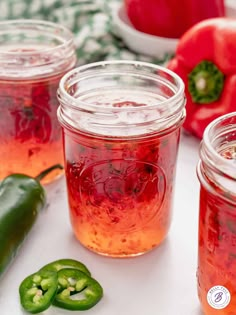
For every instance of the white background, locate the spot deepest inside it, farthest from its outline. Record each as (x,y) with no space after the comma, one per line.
(162,282)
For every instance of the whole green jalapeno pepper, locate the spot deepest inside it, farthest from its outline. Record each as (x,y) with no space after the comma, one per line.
(73,281)
(66,263)
(21,198)
(38,290)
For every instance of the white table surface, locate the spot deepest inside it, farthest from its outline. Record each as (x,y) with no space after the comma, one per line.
(161,282)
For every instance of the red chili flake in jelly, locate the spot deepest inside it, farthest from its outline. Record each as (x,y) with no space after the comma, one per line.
(128,104)
(121,187)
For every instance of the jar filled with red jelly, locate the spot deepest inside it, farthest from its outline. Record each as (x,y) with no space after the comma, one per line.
(34,55)
(121,128)
(217,218)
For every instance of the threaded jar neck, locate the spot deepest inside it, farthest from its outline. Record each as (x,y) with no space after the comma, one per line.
(34,49)
(121,98)
(218,153)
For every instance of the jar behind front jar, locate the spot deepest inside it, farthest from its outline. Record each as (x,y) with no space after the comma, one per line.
(217,218)
(34,55)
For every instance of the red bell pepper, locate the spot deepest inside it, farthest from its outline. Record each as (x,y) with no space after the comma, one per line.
(206,61)
(171,18)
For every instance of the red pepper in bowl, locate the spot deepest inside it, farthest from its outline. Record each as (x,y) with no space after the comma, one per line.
(206,61)
(171,18)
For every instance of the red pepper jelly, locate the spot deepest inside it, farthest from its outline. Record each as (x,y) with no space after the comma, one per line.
(34,55)
(121,126)
(217,218)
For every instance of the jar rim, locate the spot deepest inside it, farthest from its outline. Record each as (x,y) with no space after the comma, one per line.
(216,134)
(73,102)
(66,35)
(46,49)
(208,143)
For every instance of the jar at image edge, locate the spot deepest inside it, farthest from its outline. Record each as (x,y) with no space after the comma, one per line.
(217,218)
(121,126)
(34,55)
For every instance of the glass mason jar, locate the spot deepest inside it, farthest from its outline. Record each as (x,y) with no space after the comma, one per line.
(217,218)
(121,126)
(34,55)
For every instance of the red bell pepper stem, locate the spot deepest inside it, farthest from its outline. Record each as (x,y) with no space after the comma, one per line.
(205,83)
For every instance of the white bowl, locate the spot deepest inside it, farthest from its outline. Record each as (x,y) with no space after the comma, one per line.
(151,45)
(140,42)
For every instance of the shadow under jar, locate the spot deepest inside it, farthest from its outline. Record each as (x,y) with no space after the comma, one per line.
(217,217)
(34,55)
(121,126)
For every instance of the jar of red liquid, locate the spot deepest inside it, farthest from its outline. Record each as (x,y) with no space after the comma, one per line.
(121,126)
(34,55)
(217,218)
(171,18)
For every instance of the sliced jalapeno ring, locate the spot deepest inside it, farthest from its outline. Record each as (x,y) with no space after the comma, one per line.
(73,281)
(66,263)
(38,290)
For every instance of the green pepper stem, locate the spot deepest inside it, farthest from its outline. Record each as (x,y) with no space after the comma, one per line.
(205,83)
(44,173)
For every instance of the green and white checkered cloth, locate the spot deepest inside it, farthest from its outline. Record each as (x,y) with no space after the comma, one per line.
(89,20)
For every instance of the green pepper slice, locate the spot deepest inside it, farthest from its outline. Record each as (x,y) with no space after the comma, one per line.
(66,263)
(38,290)
(73,281)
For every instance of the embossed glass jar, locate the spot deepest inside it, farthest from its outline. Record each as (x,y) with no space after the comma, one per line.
(34,55)
(217,217)
(121,127)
